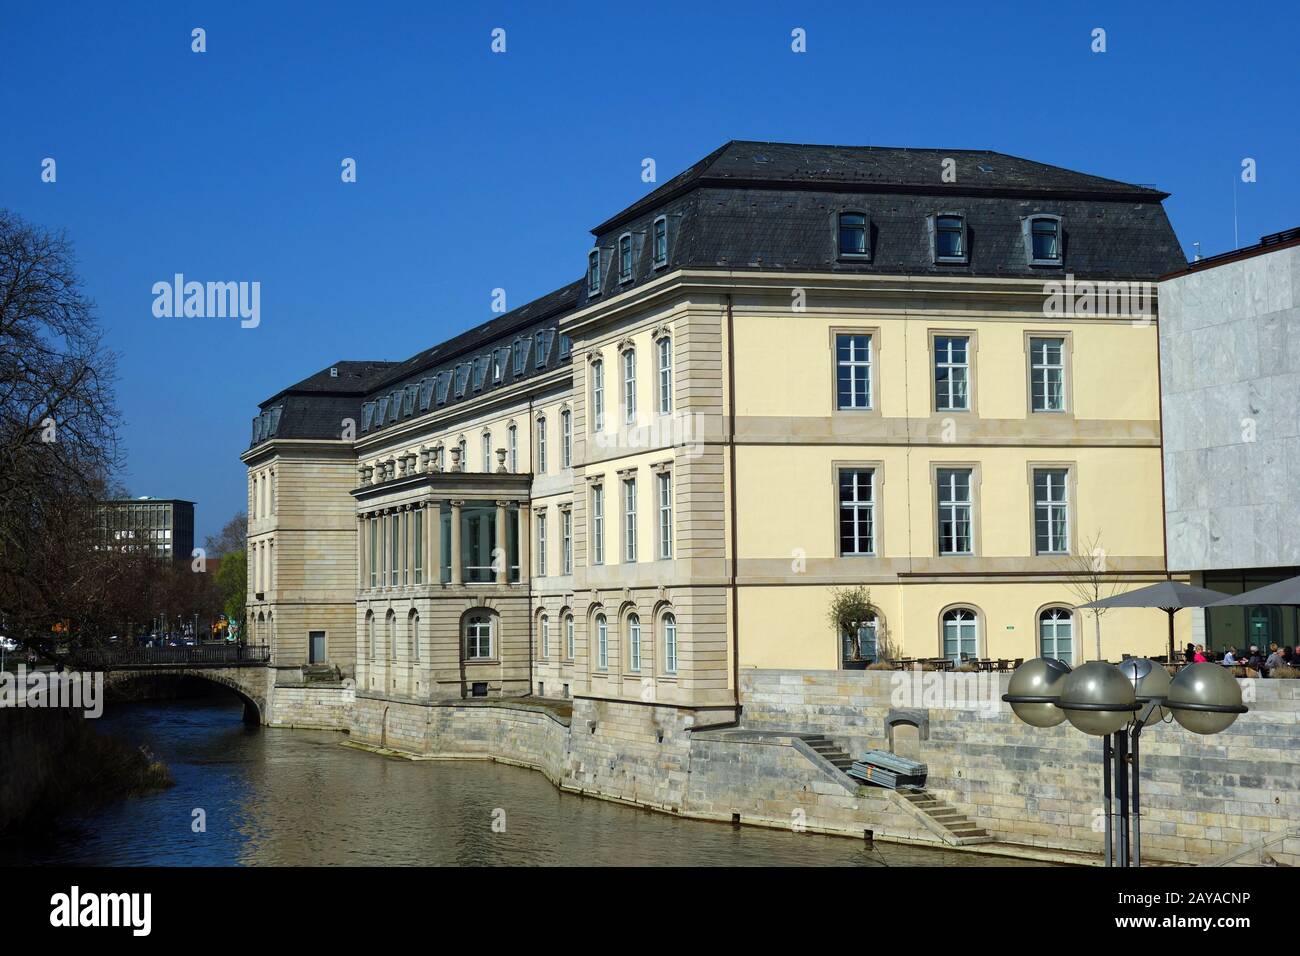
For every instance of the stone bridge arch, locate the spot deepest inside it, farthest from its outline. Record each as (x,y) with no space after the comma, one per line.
(249,684)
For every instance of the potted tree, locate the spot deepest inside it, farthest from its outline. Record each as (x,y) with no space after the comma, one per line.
(850,612)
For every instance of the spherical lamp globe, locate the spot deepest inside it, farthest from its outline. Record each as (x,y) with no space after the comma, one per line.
(1098,699)
(1038,680)
(1150,683)
(1205,698)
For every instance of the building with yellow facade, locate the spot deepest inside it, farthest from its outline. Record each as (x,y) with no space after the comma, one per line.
(786,371)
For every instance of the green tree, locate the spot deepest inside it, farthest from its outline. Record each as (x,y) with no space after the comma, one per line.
(232,580)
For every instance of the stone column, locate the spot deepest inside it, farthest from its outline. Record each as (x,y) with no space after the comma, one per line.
(455,542)
(503,572)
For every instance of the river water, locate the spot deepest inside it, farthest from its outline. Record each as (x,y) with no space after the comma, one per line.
(296,797)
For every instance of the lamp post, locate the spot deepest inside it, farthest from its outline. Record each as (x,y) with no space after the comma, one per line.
(1116,703)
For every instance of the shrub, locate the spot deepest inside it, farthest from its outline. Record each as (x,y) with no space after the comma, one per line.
(1285,672)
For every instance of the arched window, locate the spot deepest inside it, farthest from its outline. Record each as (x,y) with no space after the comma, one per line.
(370,635)
(546,636)
(602,643)
(633,642)
(478,636)
(1056,634)
(568,637)
(960,633)
(514,449)
(860,643)
(670,642)
(392,635)
(487,453)
(413,624)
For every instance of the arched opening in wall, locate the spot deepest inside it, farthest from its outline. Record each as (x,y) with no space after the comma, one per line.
(905,740)
(390,634)
(479,638)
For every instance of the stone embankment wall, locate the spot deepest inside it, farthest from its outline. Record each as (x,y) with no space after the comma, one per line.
(1202,797)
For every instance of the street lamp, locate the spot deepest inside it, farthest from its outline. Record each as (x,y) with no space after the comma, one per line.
(1116,703)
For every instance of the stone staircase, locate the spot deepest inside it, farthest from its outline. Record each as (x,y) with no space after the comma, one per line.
(826,749)
(949,823)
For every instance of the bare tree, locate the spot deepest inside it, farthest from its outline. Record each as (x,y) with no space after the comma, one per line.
(231,537)
(1089,580)
(58,444)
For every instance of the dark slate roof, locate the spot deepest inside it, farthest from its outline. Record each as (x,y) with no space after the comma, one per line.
(318,406)
(880,169)
(721,214)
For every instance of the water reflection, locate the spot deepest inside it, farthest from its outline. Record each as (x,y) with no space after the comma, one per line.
(294,797)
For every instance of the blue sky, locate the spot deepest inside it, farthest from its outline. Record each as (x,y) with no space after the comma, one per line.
(479,170)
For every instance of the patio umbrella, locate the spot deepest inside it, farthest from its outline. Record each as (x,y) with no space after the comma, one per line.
(1282,593)
(1168,596)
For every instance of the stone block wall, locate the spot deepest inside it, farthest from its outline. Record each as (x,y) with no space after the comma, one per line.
(1201,796)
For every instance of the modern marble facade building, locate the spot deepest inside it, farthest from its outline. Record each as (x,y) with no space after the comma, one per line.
(1230,371)
(787,370)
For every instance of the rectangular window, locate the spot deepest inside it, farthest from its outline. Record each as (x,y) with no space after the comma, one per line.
(598,524)
(949,239)
(665,515)
(857,511)
(541,544)
(568,638)
(853,371)
(513,439)
(625,259)
(634,643)
(395,550)
(952,373)
(566,439)
(853,234)
(373,524)
(665,375)
(629,520)
(602,642)
(417,529)
(541,446)
(566,522)
(546,636)
(661,241)
(487,452)
(1045,235)
(1051,511)
(954,510)
(406,537)
(598,396)
(629,386)
(593,272)
(1047,374)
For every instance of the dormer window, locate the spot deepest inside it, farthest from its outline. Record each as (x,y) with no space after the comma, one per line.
(593,272)
(408,400)
(382,412)
(948,237)
(394,406)
(426,394)
(545,338)
(853,235)
(566,346)
(480,371)
(661,242)
(625,257)
(367,415)
(498,365)
(442,387)
(521,355)
(462,379)
(1043,240)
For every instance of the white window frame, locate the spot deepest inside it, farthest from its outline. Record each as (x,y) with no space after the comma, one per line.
(664,485)
(602,642)
(625,255)
(1048,507)
(598,524)
(863,511)
(1039,365)
(541,544)
(664,351)
(629,386)
(472,622)
(629,520)
(566,439)
(944,360)
(566,528)
(955,510)
(669,620)
(598,395)
(634,642)
(541,444)
(857,366)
